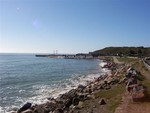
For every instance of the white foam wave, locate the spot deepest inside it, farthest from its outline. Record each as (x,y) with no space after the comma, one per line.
(40,92)
(102,64)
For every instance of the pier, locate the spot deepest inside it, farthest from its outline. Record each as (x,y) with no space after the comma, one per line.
(67,56)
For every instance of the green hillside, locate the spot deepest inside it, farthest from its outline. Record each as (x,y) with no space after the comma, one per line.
(123,51)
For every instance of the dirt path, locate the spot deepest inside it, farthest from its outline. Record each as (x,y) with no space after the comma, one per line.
(128,106)
(116,60)
(124,104)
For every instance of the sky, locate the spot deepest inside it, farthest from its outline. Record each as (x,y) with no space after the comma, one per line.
(72,26)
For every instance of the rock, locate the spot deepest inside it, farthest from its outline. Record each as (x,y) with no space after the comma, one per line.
(75,101)
(58,111)
(89,90)
(81,86)
(80,105)
(13,112)
(122,80)
(27,111)
(44,108)
(94,106)
(91,96)
(14,109)
(107,87)
(83,96)
(102,102)
(67,103)
(24,107)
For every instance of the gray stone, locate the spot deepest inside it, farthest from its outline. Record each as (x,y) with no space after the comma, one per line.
(27,111)
(80,105)
(102,102)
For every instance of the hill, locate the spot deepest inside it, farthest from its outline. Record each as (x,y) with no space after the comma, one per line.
(123,51)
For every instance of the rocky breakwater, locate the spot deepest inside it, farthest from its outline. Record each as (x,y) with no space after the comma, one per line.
(74,99)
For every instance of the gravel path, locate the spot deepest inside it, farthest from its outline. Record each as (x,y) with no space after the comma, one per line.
(116,60)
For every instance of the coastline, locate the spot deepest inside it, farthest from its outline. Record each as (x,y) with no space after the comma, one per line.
(103,93)
(87,79)
(82,79)
(71,101)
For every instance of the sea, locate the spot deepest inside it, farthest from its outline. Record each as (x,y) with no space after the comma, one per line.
(26,78)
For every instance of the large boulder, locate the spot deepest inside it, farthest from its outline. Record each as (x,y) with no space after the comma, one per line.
(24,107)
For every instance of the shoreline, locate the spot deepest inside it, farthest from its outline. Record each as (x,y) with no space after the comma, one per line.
(105,93)
(74,98)
(83,78)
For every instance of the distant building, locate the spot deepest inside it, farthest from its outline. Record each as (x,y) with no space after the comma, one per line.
(84,56)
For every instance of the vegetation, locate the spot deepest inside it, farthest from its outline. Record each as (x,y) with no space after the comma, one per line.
(127,59)
(114,96)
(123,51)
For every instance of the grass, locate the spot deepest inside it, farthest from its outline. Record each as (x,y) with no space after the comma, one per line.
(127,59)
(111,92)
(113,95)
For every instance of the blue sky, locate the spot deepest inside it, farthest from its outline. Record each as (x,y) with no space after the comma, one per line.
(72,26)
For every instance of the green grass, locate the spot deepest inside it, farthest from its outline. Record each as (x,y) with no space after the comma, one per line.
(127,59)
(111,92)
(114,104)
(113,95)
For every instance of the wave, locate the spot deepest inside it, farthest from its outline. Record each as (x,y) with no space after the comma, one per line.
(40,92)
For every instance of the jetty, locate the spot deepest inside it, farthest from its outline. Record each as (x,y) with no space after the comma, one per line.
(67,56)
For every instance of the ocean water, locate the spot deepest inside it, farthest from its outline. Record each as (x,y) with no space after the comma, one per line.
(26,78)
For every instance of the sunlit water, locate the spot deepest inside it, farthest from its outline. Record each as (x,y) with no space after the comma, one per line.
(26,78)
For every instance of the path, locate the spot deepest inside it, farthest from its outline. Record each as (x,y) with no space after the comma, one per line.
(124,105)
(116,60)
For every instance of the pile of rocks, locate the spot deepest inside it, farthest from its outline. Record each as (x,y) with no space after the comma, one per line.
(137,90)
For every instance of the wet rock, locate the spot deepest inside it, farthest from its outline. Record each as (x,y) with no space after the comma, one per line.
(24,107)
(102,102)
(13,111)
(40,109)
(81,86)
(27,111)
